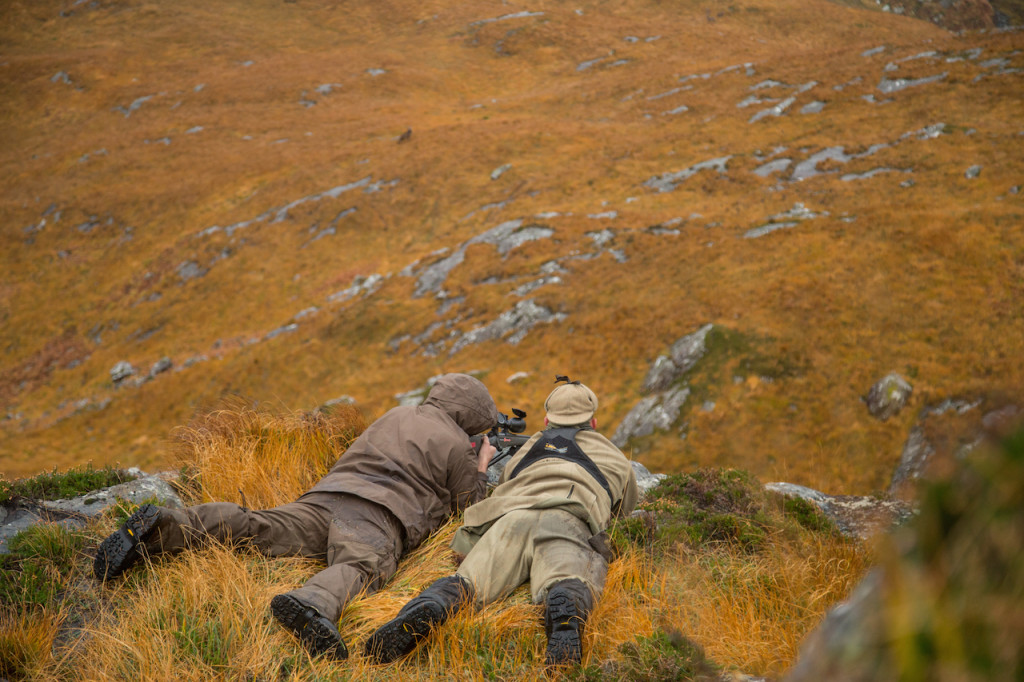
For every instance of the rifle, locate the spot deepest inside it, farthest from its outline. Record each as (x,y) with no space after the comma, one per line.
(505,437)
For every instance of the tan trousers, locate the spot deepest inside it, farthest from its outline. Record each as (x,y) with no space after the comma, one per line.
(543,546)
(360,541)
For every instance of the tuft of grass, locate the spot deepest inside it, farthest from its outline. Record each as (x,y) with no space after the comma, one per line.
(26,638)
(273,458)
(42,560)
(61,485)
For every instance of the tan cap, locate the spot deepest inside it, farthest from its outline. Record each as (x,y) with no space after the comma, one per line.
(570,404)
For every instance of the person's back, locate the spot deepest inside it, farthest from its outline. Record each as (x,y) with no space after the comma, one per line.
(418,461)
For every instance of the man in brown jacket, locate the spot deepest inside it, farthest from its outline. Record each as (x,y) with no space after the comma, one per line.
(398,482)
(543,523)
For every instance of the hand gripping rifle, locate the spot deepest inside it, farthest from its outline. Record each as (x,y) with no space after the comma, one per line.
(505,437)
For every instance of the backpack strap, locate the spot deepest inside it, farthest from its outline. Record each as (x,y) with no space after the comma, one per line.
(560,443)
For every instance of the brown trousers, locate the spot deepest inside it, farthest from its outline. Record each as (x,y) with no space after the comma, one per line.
(360,541)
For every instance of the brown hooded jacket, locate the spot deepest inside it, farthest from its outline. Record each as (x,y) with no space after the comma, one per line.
(417,462)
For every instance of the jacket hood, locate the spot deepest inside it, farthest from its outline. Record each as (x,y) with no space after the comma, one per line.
(465,400)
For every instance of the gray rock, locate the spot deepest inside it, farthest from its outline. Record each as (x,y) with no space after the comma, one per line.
(656,412)
(688,350)
(360,286)
(645,480)
(683,355)
(74,513)
(121,371)
(506,236)
(917,452)
(190,270)
(972,172)
(512,325)
(855,516)
(888,396)
(661,374)
(500,170)
(887,86)
(669,181)
(160,366)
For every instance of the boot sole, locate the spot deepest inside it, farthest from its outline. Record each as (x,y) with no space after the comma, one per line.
(120,551)
(315,633)
(398,637)
(564,642)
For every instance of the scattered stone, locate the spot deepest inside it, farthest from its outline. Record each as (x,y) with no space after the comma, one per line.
(287,329)
(518,376)
(361,285)
(512,325)
(855,516)
(500,170)
(506,236)
(849,177)
(606,215)
(873,51)
(669,181)
(340,400)
(505,17)
(886,86)
(917,452)
(776,166)
(767,229)
(61,76)
(656,412)
(814,107)
(529,287)
(190,270)
(681,358)
(160,366)
(888,396)
(972,172)
(121,371)
(774,111)
(645,480)
(127,111)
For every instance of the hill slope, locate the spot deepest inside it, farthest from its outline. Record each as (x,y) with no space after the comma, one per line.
(231,190)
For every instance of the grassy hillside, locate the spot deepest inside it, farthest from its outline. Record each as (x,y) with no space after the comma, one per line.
(185,182)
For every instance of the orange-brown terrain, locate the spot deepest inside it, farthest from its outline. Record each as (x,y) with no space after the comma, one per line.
(302,200)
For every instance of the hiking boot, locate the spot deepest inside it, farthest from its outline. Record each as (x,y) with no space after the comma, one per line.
(565,615)
(121,550)
(317,633)
(423,613)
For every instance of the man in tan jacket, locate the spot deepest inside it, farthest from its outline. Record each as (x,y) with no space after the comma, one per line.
(543,523)
(398,482)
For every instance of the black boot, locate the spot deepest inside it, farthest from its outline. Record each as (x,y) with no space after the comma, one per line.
(122,549)
(566,609)
(429,609)
(317,633)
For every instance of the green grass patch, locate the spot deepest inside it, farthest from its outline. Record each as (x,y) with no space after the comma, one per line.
(662,656)
(39,564)
(710,506)
(58,486)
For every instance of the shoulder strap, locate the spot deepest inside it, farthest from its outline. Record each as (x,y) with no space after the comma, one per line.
(561,444)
